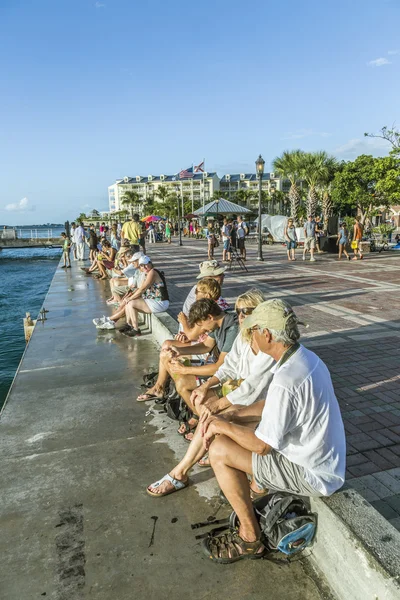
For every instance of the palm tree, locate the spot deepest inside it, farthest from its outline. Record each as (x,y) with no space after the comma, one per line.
(243,197)
(315,169)
(131,200)
(162,193)
(289,166)
(325,186)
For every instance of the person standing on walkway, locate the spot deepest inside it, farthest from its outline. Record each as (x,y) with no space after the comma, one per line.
(309,243)
(168,231)
(319,230)
(93,241)
(73,245)
(291,239)
(358,231)
(226,240)
(242,231)
(342,241)
(211,240)
(131,232)
(152,235)
(66,251)
(79,239)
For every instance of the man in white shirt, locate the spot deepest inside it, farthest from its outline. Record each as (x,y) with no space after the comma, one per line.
(79,239)
(226,241)
(299,445)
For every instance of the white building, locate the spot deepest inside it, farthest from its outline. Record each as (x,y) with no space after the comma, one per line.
(199,189)
(231,184)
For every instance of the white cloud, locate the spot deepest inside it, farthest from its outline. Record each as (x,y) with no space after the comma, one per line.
(303,133)
(393,52)
(357,146)
(379,62)
(100,5)
(21,206)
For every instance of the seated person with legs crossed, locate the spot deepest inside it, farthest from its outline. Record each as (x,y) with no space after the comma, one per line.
(299,446)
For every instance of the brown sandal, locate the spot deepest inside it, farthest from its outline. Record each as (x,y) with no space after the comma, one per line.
(230,547)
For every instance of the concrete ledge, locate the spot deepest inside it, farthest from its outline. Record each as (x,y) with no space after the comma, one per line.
(356,550)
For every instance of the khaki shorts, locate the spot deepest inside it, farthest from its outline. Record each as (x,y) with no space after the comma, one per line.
(275,472)
(309,243)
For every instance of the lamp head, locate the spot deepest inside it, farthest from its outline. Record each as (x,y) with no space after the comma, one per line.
(260,162)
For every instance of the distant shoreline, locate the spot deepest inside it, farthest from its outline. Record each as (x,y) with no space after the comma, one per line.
(42,226)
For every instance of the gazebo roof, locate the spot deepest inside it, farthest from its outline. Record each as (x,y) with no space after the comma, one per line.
(223,207)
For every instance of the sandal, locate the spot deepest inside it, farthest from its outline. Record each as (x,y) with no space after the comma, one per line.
(146,397)
(230,547)
(204,462)
(188,428)
(177,485)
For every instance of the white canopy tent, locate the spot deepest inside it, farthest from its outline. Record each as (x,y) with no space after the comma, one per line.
(275,225)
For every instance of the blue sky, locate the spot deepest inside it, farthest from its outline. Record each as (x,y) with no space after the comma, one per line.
(93,91)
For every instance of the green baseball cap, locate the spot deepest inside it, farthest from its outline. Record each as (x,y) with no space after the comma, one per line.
(272,314)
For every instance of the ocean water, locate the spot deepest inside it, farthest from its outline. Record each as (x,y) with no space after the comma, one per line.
(25,277)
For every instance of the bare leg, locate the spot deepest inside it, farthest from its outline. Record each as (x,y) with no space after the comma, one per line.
(133,308)
(185,385)
(231,462)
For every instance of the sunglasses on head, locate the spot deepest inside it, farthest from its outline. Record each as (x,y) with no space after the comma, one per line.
(244,311)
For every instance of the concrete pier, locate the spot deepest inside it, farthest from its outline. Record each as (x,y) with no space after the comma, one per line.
(77,453)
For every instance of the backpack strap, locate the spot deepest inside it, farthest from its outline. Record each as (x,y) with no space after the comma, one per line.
(274,514)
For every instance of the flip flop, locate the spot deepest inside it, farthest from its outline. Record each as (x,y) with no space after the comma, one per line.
(178,485)
(146,397)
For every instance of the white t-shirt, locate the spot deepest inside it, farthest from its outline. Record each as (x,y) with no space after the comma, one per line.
(79,235)
(255,369)
(301,420)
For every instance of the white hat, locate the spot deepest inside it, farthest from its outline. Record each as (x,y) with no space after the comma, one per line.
(210,268)
(144,260)
(136,256)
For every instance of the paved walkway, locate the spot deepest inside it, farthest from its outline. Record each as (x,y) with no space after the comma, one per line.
(353,312)
(76,454)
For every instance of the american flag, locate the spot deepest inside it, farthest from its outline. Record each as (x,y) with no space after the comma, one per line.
(186,173)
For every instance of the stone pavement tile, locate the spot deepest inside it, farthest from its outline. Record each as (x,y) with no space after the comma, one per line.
(394,502)
(362,441)
(395,522)
(395,473)
(385,421)
(388,454)
(394,437)
(366,468)
(390,481)
(380,461)
(395,449)
(362,420)
(356,459)
(368,482)
(382,439)
(385,509)
(350,428)
(370,426)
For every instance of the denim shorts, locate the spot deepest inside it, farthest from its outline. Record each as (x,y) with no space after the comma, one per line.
(227,244)
(291,245)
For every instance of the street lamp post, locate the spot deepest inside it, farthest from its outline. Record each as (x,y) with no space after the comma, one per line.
(260,162)
(179,217)
(217,203)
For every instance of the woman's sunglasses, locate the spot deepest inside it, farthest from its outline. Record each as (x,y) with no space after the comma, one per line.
(244,311)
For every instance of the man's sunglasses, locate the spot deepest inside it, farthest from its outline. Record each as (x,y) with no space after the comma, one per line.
(244,311)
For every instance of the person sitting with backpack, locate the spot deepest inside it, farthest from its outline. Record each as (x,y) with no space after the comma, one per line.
(243,378)
(299,446)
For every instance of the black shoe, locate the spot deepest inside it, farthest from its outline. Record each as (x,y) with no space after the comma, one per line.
(132,332)
(125,327)
(63,267)
(69,266)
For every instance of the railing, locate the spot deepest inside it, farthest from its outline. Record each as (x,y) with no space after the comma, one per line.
(26,234)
